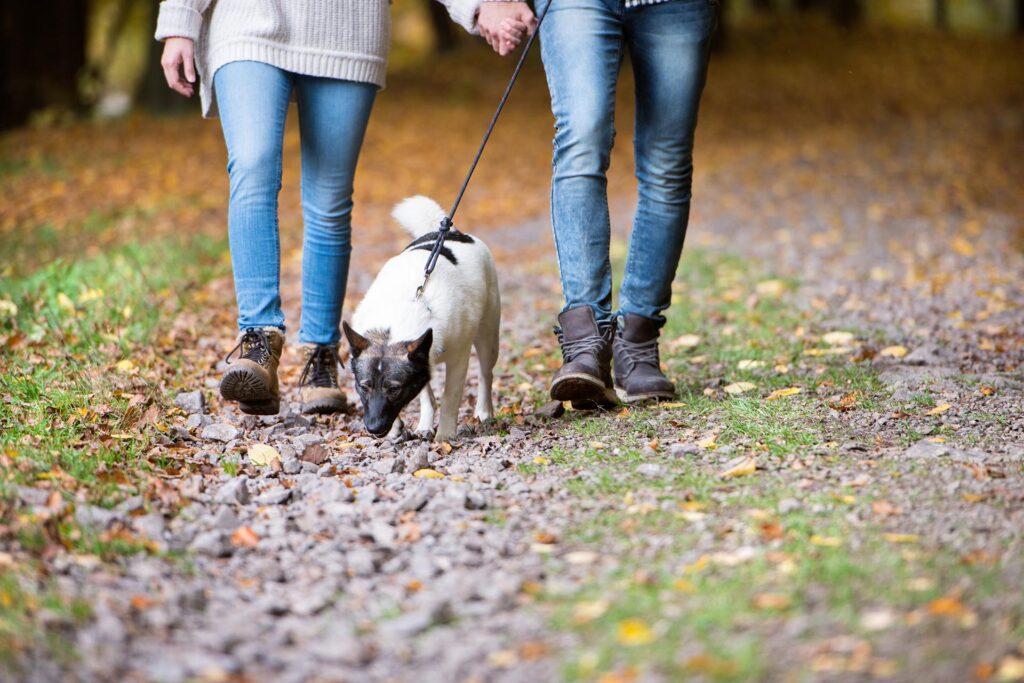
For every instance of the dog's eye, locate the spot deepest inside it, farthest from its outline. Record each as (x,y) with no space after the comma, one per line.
(365,384)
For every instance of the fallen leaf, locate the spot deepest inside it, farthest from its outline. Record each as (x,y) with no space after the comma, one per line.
(783,393)
(244,537)
(939,409)
(581,557)
(545,537)
(847,402)
(1011,668)
(127,365)
(427,473)
(263,455)
(838,338)
(315,454)
(826,541)
(770,289)
(541,460)
(771,601)
(946,606)
(685,341)
(740,467)
(962,246)
(901,538)
(633,632)
(584,612)
(739,388)
(893,351)
(142,602)
(749,364)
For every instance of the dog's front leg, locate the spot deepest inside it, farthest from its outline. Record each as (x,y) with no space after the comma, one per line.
(428,404)
(454,385)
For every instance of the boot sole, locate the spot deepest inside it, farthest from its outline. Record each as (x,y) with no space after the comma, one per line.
(325,406)
(269,407)
(656,396)
(584,392)
(246,386)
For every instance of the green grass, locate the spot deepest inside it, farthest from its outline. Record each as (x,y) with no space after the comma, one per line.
(83,352)
(706,618)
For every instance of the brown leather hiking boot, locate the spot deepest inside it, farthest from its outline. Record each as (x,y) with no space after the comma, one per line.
(585,377)
(318,386)
(252,378)
(638,375)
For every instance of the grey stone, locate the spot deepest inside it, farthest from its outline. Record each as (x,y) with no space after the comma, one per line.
(191,401)
(414,500)
(551,409)
(291,466)
(681,450)
(385,465)
(651,470)
(339,644)
(225,519)
(360,562)
(276,496)
(303,441)
(235,491)
(220,431)
(213,543)
(94,516)
(788,505)
(196,421)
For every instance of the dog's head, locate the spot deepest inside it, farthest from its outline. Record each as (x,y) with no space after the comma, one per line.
(388,374)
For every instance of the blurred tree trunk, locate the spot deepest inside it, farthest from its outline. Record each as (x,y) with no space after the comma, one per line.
(719,41)
(41,56)
(441,25)
(941,14)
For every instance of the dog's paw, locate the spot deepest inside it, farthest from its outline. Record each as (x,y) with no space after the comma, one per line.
(424,434)
(442,436)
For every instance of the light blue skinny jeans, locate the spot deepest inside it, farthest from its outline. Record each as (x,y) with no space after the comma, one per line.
(582,44)
(253,98)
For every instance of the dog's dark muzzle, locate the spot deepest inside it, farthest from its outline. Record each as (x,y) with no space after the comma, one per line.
(377,417)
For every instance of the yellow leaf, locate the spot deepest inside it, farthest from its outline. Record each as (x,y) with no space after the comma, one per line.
(126,365)
(747,364)
(89,295)
(65,303)
(8,309)
(783,393)
(427,473)
(770,289)
(598,445)
(826,541)
(585,612)
(684,586)
(838,338)
(740,468)
(263,455)
(901,538)
(686,341)
(633,632)
(708,442)
(962,246)
(525,387)
(939,409)
(673,404)
(893,351)
(1011,668)
(541,460)
(739,388)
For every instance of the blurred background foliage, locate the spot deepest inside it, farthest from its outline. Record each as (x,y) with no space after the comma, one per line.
(64,59)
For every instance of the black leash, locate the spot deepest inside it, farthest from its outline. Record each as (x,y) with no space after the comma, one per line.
(446,222)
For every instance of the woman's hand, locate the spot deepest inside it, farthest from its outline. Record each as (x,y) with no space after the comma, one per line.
(179,52)
(503,24)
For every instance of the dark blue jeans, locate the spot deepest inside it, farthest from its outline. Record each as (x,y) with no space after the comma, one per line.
(582,43)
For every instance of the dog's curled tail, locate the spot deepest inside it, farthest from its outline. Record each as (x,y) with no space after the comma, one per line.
(419,215)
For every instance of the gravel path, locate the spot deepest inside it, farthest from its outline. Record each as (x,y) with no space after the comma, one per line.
(352,559)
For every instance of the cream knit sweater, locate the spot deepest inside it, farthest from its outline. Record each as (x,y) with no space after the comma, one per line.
(345,39)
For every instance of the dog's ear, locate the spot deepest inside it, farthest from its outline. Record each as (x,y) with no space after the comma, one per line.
(357,342)
(419,350)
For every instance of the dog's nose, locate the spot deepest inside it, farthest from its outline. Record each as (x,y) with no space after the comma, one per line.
(377,426)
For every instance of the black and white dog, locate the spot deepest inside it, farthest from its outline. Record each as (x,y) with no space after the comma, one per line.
(397,337)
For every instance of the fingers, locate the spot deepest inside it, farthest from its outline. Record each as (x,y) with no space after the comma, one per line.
(190,65)
(174,57)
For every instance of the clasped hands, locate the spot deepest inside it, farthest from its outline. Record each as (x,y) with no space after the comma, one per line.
(504,24)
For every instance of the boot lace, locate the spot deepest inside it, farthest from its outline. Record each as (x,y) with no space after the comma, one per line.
(638,353)
(254,345)
(321,369)
(573,348)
